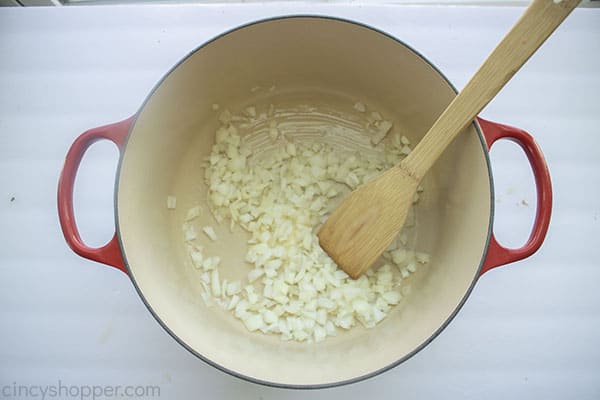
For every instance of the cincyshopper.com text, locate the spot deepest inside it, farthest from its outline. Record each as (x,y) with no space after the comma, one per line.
(61,390)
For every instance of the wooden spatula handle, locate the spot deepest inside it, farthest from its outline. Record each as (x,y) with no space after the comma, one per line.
(540,19)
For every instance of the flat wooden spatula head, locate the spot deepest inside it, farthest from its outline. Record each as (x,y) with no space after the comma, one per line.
(368,219)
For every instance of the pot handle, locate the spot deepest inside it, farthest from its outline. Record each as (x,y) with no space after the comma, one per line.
(497,254)
(110,253)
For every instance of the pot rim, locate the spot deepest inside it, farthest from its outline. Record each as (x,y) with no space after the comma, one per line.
(251,379)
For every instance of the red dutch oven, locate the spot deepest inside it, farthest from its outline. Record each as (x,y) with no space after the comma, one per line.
(301,59)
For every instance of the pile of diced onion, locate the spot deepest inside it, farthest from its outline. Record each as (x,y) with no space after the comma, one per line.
(293,288)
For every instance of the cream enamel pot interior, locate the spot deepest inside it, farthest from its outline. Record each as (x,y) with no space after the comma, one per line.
(302,59)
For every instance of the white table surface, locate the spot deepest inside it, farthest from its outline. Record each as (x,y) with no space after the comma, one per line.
(529,330)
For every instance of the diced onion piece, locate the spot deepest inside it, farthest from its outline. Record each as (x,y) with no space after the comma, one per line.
(225,117)
(411,267)
(358,106)
(290,149)
(210,232)
(391,297)
(378,315)
(233,302)
(193,213)
(252,296)
(320,333)
(171,202)
(269,316)
(383,129)
(233,288)
(346,321)
(398,256)
(205,294)
(215,285)
(250,111)
(190,234)
(403,238)
(197,259)
(254,274)
(205,277)
(253,322)
(375,116)
(211,263)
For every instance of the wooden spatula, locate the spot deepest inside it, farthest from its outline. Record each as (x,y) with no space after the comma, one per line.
(367,221)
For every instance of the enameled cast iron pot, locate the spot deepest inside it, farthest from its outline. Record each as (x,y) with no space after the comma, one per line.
(304,57)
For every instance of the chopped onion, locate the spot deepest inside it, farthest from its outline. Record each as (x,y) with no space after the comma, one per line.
(358,106)
(383,128)
(210,232)
(293,288)
(233,288)
(211,263)
(253,322)
(193,213)
(391,297)
(250,111)
(375,116)
(225,117)
(171,202)
(216,287)
(190,234)
(411,267)
(197,258)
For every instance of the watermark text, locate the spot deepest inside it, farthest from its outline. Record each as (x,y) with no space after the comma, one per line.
(60,390)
